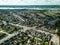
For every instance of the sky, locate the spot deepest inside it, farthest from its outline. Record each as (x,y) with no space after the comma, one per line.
(29,2)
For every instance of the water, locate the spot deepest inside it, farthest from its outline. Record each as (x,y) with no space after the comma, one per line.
(29,6)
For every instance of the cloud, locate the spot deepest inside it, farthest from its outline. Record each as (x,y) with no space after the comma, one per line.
(29,2)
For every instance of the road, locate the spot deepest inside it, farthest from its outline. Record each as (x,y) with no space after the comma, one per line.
(5,32)
(17,16)
(8,37)
(54,38)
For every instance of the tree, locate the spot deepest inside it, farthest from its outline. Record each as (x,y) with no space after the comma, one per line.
(57,25)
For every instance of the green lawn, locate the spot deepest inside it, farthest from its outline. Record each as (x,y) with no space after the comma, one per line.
(46,43)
